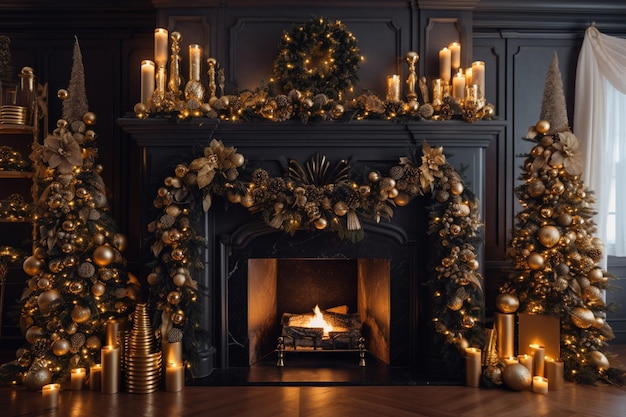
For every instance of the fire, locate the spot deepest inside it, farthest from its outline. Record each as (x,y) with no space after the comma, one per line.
(317,321)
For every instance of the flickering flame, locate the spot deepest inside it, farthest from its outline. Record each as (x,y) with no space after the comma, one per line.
(318,321)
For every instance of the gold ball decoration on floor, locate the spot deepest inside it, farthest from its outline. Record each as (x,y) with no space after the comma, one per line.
(507,303)
(517,377)
(37,377)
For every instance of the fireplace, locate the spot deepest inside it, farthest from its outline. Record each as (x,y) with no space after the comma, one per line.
(255,273)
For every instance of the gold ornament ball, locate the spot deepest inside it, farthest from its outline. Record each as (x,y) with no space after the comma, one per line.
(543,126)
(179,279)
(507,303)
(93,342)
(120,241)
(338,111)
(592,293)
(80,314)
(140,108)
(63,94)
(98,289)
(25,322)
(598,323)
(76,287)
(582,317)
(173,297)
(61,347)
(237,159)
(455,304)
(517,377)
(535,261)
(247,201)
(549,236)
(456,187)
(33,333)
(233,197)
(178,317)
(489,110)
(536,188)
(32,265)
(340,208)
(103,255)
(152,278)
(35,379)
(48,300)
(89,118)
(373,176)
(442,196)
(321,223)
(598,360)
(564,219)
(595,275)
(402,199)
(99,239)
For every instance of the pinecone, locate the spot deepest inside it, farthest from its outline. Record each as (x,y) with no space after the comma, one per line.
(86,270)
(166,221)
(40,347)
(354,200)
(283,114)
(396,172)
(276,185)
(175,335)
(426,111)
(260,176)
(282,100)
(320,100)
(232,174)
(77,341)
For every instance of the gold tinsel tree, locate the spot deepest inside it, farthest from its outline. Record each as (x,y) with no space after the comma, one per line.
(78,276)
(555,254)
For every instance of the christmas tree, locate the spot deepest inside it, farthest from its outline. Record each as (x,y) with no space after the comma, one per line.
(555,254)
(78,277)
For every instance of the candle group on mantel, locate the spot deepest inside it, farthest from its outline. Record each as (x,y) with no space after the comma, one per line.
(454,81)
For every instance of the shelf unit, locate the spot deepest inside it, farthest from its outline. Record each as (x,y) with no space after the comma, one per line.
(16,232)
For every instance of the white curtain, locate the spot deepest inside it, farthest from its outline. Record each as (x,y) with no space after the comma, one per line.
(599,110)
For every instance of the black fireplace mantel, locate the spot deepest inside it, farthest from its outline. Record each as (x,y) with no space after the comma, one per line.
(475,150)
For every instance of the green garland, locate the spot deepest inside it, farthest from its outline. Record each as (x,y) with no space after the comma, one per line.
(321,197)
(319,57)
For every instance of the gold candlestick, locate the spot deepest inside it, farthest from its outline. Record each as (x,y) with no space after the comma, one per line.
(412,80)
(175,81)
(211,73)
(194,91)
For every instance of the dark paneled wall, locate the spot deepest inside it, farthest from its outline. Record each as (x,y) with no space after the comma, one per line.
(515,39)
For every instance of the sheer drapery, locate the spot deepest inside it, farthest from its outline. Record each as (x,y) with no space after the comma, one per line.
(598,114)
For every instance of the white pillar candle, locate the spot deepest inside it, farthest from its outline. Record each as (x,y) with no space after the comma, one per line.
(478,77)
(77,379)
(538,352)
(458,85)
(510,360)
(95,377)
(473,366)
(540,385)
(195,61)
(112,328)
(174,377)
(554,373)
(444,65)
(527,361)
(160,46)
(110,360)
(147,81)
(50,396)
(455,55)
(393,87)
(468,76)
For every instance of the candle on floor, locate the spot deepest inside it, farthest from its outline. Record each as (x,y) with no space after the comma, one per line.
(50,396)
(95,376)
(540,385)
(110,359)
(473,366)
(538,352)
(554,373)
(77,379)
(527,361)
(174,377)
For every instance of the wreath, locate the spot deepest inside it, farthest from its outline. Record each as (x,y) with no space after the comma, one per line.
(323,197)
(319,57)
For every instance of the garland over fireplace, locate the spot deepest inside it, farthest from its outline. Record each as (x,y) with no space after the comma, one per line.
(234,237)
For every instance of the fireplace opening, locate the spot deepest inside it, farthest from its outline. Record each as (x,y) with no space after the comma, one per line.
(354,293)
(267,273)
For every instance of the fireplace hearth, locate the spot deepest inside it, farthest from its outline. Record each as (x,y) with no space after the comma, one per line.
(382,278)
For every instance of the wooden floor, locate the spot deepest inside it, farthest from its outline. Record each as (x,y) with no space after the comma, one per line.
(324,401)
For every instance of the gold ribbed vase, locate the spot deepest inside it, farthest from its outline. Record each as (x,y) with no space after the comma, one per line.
(142,358)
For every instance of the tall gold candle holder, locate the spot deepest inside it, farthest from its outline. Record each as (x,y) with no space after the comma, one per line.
(142,359)
(174,82)
(160,59)
(194,91)
(504,324)
(411,82)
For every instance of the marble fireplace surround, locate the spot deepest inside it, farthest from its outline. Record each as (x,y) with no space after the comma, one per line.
(234,235)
